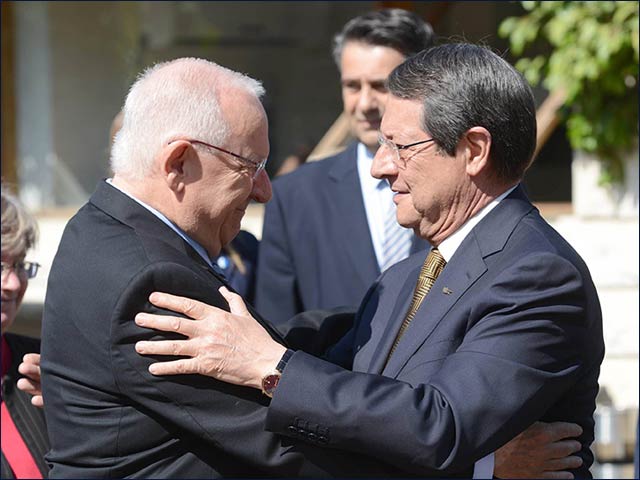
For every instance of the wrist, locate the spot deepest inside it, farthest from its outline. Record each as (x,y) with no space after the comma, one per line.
(270,380)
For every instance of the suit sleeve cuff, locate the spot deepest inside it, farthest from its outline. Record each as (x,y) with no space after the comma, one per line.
(483,468)
(290,398)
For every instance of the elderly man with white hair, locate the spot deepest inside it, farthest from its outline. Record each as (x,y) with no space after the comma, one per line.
(188,160)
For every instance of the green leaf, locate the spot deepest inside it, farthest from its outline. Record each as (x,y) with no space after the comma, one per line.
(594,49)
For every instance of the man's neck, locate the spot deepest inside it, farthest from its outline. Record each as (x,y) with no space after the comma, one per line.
(147,192)
(161,211)
(477,211)
(132,188)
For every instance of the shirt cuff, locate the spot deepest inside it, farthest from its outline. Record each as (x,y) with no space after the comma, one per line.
(483,468)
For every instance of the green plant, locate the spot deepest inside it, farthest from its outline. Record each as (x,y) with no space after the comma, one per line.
(590,51)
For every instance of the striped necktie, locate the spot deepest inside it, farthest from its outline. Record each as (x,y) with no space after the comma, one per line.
(431,268)
(397,243)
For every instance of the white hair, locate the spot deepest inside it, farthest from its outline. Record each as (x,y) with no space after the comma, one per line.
(173,100)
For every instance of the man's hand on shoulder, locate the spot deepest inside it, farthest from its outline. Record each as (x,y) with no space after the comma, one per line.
(229,346)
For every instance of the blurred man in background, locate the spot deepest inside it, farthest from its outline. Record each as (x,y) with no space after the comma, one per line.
(330,229)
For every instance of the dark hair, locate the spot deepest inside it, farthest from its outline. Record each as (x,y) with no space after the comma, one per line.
(396,28)
(462,86)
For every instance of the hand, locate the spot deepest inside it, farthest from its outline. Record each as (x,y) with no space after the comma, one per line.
(229,346)
(30,368)
(541,451)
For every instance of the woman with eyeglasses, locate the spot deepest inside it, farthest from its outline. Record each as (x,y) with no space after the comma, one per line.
(24,432)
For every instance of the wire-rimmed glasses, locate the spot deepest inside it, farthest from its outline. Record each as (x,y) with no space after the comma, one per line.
(255,166)
(400,162)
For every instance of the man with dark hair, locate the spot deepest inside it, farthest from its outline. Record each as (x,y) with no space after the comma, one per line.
(453,352)
(330,229)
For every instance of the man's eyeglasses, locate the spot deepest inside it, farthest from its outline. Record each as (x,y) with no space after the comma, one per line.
(254,166)
(22,269)
(400,162)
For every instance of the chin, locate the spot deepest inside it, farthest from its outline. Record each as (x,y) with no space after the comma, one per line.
(405,220)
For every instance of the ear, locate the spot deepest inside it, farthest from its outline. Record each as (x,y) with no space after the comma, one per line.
(174,157)
(477,145)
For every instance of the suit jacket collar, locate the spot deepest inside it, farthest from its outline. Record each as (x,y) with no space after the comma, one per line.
(345,191)
(465,267)
(493,232)
(129,212)
(346,164)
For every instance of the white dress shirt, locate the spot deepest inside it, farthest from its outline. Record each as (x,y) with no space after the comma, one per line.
(378,198)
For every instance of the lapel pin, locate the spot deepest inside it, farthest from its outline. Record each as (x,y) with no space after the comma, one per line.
(447,291)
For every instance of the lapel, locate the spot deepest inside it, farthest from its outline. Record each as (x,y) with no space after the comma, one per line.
(350,218)
(129,212)
(465,268)
(404,286)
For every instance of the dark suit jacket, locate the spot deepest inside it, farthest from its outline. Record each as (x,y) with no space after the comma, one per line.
(29,420)
(316,250)
(518,339)
(107,416)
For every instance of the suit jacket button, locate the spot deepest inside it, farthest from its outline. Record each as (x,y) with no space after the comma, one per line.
(293,429)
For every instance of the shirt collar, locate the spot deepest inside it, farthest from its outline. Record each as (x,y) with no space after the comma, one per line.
(450,244)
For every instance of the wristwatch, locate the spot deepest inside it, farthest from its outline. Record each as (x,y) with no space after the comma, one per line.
(270,380)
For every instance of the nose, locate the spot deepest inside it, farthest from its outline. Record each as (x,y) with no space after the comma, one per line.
(261,191)
(367,99)
(11,281)
(383,165)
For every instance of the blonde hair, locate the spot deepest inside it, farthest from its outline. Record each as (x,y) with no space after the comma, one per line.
(19,228)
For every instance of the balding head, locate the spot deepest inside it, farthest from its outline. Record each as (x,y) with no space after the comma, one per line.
(177,99)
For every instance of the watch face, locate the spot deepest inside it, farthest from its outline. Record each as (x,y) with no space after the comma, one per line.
(269,383)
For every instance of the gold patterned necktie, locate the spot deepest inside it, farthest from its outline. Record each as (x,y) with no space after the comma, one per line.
(431,268)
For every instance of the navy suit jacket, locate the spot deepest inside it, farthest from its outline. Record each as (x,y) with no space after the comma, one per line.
(316,250)
(106,415)
(510,333)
